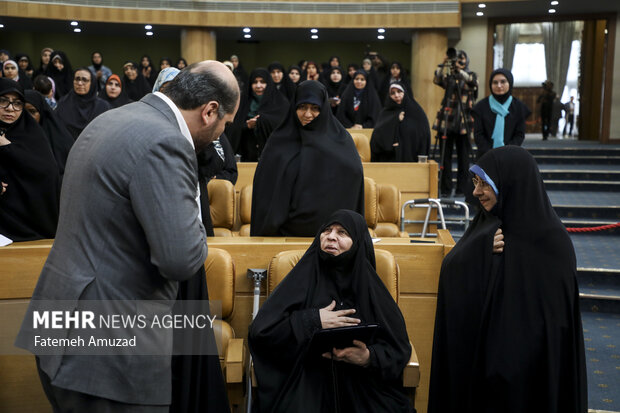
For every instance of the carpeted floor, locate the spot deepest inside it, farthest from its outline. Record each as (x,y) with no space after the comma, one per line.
(597,250)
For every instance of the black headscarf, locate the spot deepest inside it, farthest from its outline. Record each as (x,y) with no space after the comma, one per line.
(139,87)
(286,86)
(347,79)
(384,89)
(508,74)
(29,207)
(151,78)
(291,67)
(63,80)
(369,108)
(412,134)
(334,88)
(508,333)
(57,134)
(29,68)
(118,101)
(293,380)
(22,78)
(306,172)
(272,110)
(241,75)
(76,111)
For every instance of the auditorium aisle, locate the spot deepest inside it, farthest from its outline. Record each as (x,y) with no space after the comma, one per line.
(583,183)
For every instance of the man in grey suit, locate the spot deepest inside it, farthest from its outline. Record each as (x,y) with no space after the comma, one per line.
(130,229)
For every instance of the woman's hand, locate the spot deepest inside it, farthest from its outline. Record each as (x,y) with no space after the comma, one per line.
(401,116)
(358,354)
(357,126)
(252,122)
(498,242)
(3,186)
(4,140)
(332,319)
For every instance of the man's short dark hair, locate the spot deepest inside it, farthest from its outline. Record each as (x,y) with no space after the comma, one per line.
(194,86)
(43,85)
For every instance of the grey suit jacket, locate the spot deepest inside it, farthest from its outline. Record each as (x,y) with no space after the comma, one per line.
(129,229)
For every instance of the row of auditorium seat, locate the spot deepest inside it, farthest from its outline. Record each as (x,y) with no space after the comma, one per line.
(381,204)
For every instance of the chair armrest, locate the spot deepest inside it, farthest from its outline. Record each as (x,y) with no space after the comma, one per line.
(411,375)
(254,381)
(235,361)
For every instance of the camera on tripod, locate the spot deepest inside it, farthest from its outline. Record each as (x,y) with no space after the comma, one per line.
(450,63)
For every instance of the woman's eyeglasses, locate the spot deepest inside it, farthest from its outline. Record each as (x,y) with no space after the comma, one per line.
(81,79)
(5,102)
(482,183)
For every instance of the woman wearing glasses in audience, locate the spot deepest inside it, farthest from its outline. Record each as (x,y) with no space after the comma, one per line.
(500,118)
(359,106)
(81,105)
(508,335)
(29,175)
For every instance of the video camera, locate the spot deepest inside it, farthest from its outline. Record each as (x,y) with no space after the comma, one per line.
(450,65)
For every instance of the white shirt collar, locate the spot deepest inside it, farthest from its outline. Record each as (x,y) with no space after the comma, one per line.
(177,114)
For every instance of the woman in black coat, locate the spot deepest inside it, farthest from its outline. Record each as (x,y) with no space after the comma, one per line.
(359,107)
(508,335)
(500,118)
(334,284)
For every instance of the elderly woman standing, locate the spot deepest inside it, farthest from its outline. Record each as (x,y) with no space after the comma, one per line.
(309,169)
(28,172)
(508,335)
(500,118)
(81,105)
(335,284)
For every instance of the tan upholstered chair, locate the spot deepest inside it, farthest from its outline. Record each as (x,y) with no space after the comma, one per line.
(245,210)
(365,132)
(222,206)
(370,207)
(388,212)
(388,271)
(220,270)
(362,143)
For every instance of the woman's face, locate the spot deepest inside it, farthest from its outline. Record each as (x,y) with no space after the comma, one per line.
(45,57)
(9,113)
(97,59)
(335,240)
(276,75)
(359,82)
(164,64)
(335,76)
(235,61)
(23,64)
(81,82)
(395,71)
(311,69)
(113,88)
(397,95)
(294,75)
(334,62)
(130,72)
(258,86)
(145,61)
(33,111)
(181,65)
(366,65)
(352,71)
(10,71)
(484,192)
(307,112)
(499,84)
(58,65)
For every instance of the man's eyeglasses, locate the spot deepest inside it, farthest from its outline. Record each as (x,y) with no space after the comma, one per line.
(482,183)
(5,102)
(81,79)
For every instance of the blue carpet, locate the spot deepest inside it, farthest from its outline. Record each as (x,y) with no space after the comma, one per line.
(601,333)
(587,198)
(597,250)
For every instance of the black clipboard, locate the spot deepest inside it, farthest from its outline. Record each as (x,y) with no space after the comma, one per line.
(323,341)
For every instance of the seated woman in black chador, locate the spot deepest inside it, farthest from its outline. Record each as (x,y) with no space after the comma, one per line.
(309,169)
(56,132)
(359,107)
(28,171)
(261,110)
(500,118)
(508,335)
(80,106)
(402,131)
(335,284)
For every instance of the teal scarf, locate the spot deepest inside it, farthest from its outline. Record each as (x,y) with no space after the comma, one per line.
(501,111)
